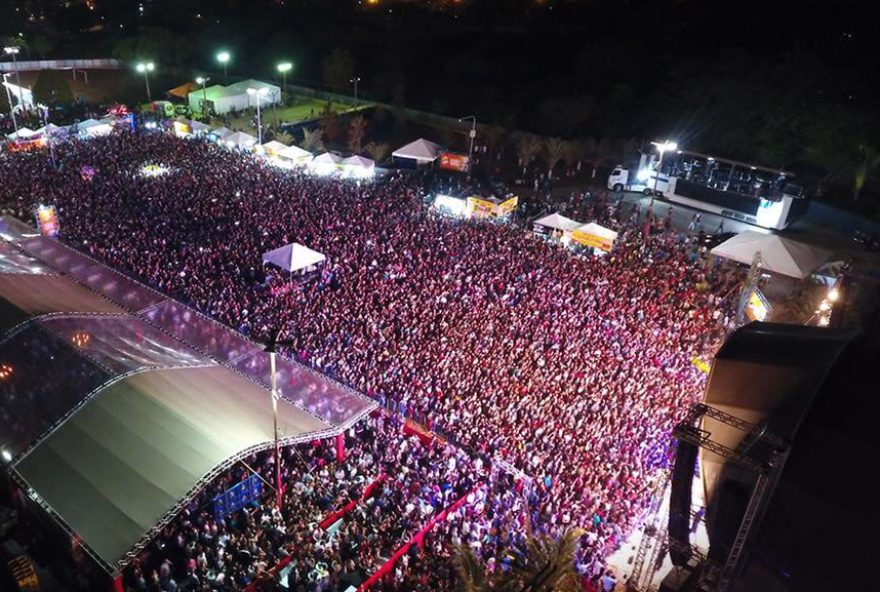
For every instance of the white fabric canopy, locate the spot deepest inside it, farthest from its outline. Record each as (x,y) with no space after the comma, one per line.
(23,132)
(198,127)
(598,230)
(295,153)
(421,150)
(274,147)
(558,221)
(778,254)
(240,140)
(327,158)
(293,257)
(222,132)
(359,161)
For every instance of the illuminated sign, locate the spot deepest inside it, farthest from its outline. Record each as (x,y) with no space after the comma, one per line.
(47,220)
(450,161)
(757,307)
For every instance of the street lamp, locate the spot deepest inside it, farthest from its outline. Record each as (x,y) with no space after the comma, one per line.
(355,81)
(259,93)
(662,148)
(284,68)
(203,80)
(145,69)
(472,134)
(223,57)
(11,106)
(13,51)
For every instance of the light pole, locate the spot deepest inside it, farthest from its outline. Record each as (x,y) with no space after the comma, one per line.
(13,51)
(45,112)
(662,147)
(271,349)
(11,106)
(145,69)
(258,94)
(223,57)
(203,80)
(355,81)
(284,68)
(472,134)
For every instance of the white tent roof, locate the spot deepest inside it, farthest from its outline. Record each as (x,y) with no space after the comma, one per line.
(778,254)
(198,126)
(422,149)
(83,125)
(222,132)
(274,147)
(327,158)
(293,257)
(598,230)
(23,132)
(359,161)
(295,153)
(240,140)
(558,221)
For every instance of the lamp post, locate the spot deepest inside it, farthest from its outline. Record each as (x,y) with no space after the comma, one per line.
(284,68)
(223,57)
(355,81)
(662,148)
(203,80)
(259,94)
(45,112)
(472,134)
(271,348)
(11,106)
(13,51)
(145,69)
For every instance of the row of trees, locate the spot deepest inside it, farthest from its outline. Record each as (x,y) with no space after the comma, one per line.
(592,151)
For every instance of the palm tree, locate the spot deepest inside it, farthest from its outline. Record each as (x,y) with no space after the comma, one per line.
(493,136)
(527,148)
(574,151)
(598,152)
(357,129)
(377,152)
(547,567)
(284,137)
(313,140)
(868,161)
(554,150)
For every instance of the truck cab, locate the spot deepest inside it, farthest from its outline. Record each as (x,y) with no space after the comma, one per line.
(646,180)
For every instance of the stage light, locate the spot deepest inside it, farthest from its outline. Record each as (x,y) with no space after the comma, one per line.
(7,456)
(833,294)
(5,371)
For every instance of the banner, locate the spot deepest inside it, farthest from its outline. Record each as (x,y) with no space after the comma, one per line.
(47,220)
(508,206)
(592,240)
(238,496)
(480,207)
(757,307)
(450,161)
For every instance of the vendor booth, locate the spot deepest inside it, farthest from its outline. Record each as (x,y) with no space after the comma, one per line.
(325,164)
(358,167)
(595,236)
(418,153)
(240,140)
(273,148)
(295,155)
(555,223)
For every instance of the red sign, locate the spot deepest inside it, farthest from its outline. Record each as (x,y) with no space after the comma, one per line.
(450,161)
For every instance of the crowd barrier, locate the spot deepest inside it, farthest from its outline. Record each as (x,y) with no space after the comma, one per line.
(418,539)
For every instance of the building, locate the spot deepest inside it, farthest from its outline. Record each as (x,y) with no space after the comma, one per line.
(235,97)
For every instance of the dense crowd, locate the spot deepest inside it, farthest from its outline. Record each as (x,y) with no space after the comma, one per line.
(571,368)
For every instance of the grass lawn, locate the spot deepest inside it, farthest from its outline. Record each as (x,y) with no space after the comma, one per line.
(304,109)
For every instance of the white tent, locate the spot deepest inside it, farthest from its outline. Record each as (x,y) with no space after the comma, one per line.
(778,254)
(295,153)
(93,127)
(359,161)
(274,148)
(198,127)
(325,164)
(293,257)
(240,140)
(222,132)
(422,151)
(23,134)
(557,221)
(595,236)
(327,158)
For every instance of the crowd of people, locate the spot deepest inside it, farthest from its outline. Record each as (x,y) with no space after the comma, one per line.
(571,369)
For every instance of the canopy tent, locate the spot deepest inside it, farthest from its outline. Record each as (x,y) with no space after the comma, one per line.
(182,91)
(422,151)
(23,134)
(93,127)
(293,257)
(274,147)
(326,163)
(778,254)
(240,140)
(556,221)
(358,166)
(295,154)
(198,127)
(594,235)
(51,130)
(221,132)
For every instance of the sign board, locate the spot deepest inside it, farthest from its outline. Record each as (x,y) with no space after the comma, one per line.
(238,496)
(450,161)
(592,240)
(182,129)
(757,307)
(507,206)
(481,208)
(47,220)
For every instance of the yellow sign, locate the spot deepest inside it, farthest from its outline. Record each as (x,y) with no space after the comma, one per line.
(757,308)
(481,207)
(592,240)
(701,365)
(507,206)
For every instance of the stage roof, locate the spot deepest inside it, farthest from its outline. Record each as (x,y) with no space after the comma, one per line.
(125,462)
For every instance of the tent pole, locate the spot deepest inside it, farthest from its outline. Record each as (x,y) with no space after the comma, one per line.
(275,422)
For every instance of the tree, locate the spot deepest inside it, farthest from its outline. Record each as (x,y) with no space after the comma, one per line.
(868,161)
(330,123)
(313,140)
(377,152)
(598,152)
(52,88)
(493,136)
(554,150)
(527,148)
(338,69)
(171,52)
(357,129)
(43,45)
(548,566)
(284,137)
